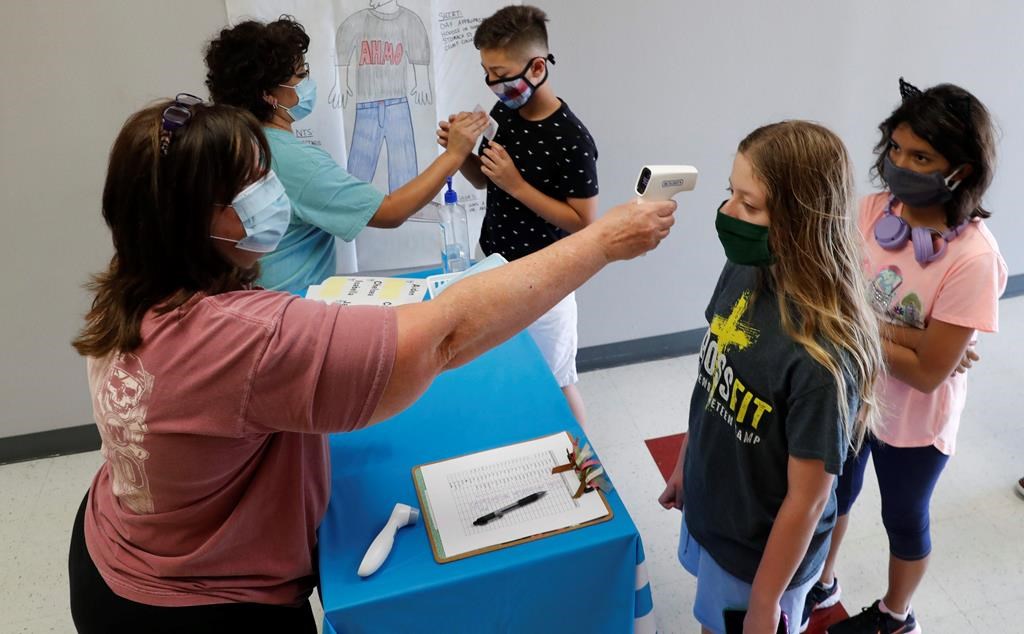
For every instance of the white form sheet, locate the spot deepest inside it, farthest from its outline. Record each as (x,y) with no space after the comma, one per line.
(368,291)
(460,490)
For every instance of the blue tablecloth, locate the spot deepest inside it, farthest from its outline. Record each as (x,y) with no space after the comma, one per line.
(592,579)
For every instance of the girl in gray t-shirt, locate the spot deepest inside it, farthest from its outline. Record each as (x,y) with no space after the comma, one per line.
(785,381)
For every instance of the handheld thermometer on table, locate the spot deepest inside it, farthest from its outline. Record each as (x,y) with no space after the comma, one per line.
(662,182)
(380,548)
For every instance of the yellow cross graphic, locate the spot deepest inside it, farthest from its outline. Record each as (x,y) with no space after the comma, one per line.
(730,332)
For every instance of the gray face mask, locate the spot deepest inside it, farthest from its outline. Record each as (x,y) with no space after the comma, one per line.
(916,189)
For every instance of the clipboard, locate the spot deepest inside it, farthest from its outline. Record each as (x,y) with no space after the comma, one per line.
(455,491)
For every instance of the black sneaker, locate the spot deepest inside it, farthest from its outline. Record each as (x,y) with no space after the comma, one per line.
(873,621)
(1020,487)
(819,598)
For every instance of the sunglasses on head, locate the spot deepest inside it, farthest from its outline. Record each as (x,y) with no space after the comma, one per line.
(176,116)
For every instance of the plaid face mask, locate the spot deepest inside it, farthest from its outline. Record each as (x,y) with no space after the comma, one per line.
(515,92)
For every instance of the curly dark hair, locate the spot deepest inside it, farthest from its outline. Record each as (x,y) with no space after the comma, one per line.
(249,59)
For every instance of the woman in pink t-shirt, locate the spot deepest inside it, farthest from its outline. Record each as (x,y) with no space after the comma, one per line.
(213,398)
(936,278)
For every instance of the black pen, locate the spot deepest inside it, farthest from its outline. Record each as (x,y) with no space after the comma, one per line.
(533,497)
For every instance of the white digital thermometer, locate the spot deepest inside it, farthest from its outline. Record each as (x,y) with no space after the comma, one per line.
(380,548)
(662,182)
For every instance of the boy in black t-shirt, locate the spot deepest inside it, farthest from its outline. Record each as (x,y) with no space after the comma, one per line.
(540,170)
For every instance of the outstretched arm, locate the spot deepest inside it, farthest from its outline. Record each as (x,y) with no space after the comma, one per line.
(411,197)
(482,311)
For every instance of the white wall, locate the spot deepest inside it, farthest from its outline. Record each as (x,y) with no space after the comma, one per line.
(664,81)
(72,72)
(656,81)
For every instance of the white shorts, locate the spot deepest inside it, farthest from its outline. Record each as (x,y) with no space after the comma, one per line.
(555,335)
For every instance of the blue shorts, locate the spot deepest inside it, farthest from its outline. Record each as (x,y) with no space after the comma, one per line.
(717,590)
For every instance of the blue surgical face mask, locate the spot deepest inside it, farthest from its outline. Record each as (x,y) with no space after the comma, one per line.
(265,211)
(306,92)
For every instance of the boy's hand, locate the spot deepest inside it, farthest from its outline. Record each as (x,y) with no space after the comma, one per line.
(462,132)
(497,165)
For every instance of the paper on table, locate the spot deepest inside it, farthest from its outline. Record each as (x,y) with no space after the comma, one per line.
(460,490)
(368,291)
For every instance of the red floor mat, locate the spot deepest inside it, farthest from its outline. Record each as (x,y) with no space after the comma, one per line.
(665,451)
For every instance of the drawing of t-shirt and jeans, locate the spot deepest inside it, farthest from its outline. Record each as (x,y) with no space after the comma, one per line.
(382,42)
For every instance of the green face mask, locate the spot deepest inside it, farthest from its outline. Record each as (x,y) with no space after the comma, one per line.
(745,243)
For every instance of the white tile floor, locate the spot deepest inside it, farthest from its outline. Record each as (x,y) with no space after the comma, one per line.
(976,583)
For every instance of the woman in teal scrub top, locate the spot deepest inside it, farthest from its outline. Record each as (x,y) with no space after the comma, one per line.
(262,68)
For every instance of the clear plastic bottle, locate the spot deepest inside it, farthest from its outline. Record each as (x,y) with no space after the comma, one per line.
(455,231)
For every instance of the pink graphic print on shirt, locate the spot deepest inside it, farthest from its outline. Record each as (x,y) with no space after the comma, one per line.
(122,397)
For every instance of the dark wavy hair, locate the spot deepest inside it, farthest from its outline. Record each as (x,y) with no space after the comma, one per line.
(249,59)
(159,210)
(958,126)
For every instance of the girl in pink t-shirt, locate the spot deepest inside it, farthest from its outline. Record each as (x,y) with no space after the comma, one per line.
(936,280)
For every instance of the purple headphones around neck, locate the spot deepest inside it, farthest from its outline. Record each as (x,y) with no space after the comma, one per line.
(892,232)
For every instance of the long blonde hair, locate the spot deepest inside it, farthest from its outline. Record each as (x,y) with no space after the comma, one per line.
(817,276)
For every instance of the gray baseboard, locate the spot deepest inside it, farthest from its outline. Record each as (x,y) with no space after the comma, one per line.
(613,355)
(47,444)
(70,440)
(1014,286)
(678,344)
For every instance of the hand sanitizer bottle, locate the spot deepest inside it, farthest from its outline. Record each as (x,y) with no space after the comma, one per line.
(455,230)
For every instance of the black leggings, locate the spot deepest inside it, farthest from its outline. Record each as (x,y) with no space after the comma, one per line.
(96,609)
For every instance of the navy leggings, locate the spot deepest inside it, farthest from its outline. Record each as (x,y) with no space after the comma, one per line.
(906,479)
